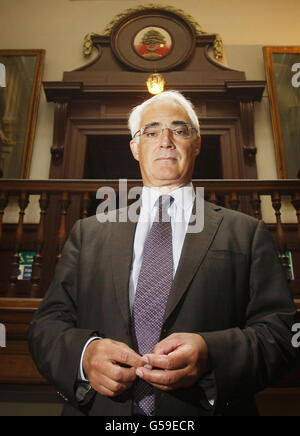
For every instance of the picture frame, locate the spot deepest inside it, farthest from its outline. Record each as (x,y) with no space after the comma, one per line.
(19,102)
(282,66)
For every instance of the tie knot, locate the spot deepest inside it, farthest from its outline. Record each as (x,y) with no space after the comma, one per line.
(163,203)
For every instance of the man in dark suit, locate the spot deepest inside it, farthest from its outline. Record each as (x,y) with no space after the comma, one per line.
(150,318)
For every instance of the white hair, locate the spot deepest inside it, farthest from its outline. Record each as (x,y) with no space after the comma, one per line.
(134,122)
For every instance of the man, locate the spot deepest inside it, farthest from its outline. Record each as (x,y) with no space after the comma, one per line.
(151,319)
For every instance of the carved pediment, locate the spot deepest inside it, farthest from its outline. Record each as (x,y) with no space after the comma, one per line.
(192,57)
(129,13)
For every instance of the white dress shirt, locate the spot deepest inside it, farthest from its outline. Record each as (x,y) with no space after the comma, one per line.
(180,212)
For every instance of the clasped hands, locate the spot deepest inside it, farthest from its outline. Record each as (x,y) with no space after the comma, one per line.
(178,361)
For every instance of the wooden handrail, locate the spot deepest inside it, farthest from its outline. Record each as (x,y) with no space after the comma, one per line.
(263,187)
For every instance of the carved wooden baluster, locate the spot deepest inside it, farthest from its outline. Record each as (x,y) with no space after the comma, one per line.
(213,198)
(62,232)
(40,240)
(256,202)
(281,240)
(234,201)
(86,201)
(23,203)
(3,204)
(296,204)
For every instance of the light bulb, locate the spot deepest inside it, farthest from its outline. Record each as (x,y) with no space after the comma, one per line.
(156,84)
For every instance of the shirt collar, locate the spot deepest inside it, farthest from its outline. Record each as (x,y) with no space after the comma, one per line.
(184,197)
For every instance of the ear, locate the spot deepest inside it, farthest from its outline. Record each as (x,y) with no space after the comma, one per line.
(134,149)
(198,143)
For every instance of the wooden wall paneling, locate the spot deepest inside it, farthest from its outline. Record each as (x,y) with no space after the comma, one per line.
(16,365)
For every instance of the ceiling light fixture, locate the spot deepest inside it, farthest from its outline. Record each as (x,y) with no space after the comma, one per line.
(156,84)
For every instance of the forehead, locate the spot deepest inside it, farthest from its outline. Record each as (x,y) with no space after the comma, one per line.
(164,112)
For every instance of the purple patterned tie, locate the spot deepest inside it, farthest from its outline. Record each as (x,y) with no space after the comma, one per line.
(153,288)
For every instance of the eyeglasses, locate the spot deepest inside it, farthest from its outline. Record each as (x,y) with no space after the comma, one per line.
(154,133)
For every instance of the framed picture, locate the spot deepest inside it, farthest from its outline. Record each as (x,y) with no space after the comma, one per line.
(21,72)
(283,78)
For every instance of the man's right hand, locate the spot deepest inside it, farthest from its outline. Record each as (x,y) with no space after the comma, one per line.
(110,366)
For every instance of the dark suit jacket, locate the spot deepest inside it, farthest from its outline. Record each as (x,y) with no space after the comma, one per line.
(229,287)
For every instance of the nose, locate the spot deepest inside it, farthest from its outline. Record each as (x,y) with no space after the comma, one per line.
(166,139)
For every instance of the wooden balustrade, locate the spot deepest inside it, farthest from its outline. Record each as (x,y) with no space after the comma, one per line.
(256,203)
(23,203)
(62,232)
(63,202)
(86,201)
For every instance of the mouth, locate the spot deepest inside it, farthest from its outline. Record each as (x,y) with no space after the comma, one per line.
(166,158)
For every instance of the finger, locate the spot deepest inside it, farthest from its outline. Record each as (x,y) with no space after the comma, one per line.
(156,361)
(123,354)
(119,374)
(177,359)
(113,377)
(168,344)
(161,377)
(107,387)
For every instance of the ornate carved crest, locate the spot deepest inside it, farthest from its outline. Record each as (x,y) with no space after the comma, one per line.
(151,50)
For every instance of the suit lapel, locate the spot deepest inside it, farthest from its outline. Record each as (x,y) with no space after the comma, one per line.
(195,248)
(121,254)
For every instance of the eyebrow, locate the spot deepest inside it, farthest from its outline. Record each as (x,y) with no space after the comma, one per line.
(154,124)
(179,123)
(174,123)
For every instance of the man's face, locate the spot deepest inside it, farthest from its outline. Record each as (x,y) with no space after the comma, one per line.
(166,160)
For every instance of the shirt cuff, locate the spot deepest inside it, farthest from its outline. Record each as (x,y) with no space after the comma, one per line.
(81,374)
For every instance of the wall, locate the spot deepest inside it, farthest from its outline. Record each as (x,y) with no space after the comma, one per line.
(59,26)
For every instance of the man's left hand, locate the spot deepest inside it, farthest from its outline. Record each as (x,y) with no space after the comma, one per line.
(177,362)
